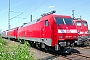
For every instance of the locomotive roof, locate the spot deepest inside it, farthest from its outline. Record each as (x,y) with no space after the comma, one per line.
(58,15)
(80,20)
(64,16)
(36,20)
(12,29)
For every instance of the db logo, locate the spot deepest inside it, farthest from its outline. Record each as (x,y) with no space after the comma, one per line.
(68,31)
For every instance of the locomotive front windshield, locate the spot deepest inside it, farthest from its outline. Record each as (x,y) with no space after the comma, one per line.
(64,21)
(85,23)
(78,23)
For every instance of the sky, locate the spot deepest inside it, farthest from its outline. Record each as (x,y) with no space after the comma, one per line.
(20,10)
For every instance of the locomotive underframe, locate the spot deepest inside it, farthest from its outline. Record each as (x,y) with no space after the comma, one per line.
(81,40)
(63,45)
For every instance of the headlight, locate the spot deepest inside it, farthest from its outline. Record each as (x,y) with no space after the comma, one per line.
(60,36)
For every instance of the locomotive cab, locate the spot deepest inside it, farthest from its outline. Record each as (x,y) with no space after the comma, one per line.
(82,27)
(66,32)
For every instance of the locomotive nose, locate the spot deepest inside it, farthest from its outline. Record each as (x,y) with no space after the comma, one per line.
(67,32)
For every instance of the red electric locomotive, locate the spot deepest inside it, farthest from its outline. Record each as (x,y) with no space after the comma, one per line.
(82,27)
(12,33)
(50,31)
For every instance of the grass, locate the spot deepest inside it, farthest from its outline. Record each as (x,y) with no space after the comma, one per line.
(11,51)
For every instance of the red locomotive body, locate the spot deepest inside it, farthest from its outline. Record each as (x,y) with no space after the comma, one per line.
(57,31)
(12,33)
(82,27)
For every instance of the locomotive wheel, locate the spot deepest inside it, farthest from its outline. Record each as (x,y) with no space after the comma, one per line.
(37,45)
(31,44)
(86,43)
(46,48)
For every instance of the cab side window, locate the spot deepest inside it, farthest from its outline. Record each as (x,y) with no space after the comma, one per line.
(46,23)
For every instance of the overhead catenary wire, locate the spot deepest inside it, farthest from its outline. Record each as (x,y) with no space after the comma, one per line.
(26,9)
(36,8)
(19,12)
(41,5)
(15,12)
(31,11)
(85,12)
(75,6)
(30,5)
(16,16)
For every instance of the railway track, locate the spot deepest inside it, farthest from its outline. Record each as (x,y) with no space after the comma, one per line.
(76,56)
(73,56)
(50,56)
(83,48)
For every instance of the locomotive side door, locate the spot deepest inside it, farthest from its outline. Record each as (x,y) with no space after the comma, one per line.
(47,29)
(46,32)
